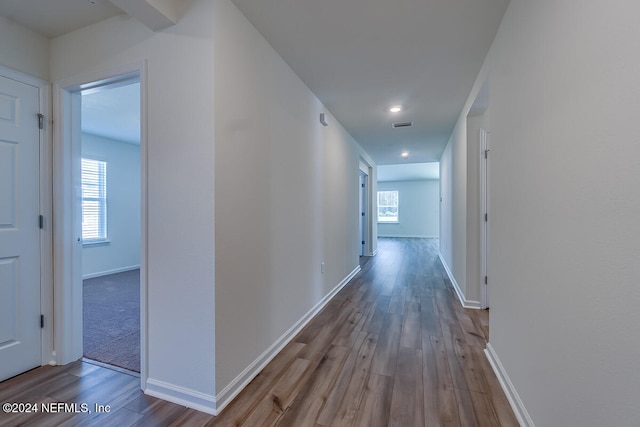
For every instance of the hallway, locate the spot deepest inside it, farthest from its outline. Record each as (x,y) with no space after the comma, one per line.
(394,347)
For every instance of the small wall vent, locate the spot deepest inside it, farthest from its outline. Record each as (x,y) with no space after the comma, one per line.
(401,124)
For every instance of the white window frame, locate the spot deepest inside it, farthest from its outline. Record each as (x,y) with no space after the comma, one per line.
(381,220)
(94,174)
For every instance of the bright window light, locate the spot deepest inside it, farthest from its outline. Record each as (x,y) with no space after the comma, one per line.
(387,206)
(94,201)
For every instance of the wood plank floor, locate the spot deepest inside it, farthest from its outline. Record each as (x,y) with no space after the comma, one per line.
(393,348)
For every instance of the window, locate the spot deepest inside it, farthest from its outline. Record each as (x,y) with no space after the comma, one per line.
(387,206)
(94,201)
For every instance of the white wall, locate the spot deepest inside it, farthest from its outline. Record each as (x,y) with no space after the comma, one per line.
(419,209)
(180,184)
(460,209)
(446,205)
(286,190)
(23,50)
(564,255)
(453,209)
(123,207)
(286,197)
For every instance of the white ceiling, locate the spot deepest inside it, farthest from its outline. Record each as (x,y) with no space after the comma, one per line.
(358,56)
(113,113)
(409,172)
(361,56)
(52,18)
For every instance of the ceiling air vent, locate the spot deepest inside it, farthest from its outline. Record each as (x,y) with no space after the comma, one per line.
(401,124)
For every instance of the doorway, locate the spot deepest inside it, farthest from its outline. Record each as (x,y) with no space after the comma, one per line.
(110,205)
(67,178)
(478,217)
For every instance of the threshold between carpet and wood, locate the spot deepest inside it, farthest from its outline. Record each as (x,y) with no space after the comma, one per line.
(111,319)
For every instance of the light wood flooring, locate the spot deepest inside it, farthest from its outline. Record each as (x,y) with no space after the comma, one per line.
(393,348)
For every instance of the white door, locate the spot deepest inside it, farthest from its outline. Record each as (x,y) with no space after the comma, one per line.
(19,228)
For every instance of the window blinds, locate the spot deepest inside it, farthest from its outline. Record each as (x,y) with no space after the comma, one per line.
(94,200)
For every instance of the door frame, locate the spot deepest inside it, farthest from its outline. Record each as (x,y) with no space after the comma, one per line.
(370,234)
(67,228)
(484,211)
(46,233)
(364,212)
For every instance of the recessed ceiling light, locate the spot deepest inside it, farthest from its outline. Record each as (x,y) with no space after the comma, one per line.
(395,109)
(405,154)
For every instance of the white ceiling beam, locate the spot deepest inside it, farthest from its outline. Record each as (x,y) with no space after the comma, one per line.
(155,14)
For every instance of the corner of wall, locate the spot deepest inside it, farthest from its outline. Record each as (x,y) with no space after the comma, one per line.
(509,389)
(461,296)
(182,396)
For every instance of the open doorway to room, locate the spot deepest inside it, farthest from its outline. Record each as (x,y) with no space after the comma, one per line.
(367,238)
(111,221)
(408,200)
(478,282)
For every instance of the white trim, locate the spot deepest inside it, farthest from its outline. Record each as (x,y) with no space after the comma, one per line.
(463,300)
(113,271)
(366,167)
(23,78)
(144,224)
(182,396)
(507,386)
(46,234)
(408,237)
(484,209)
(67,300)
(67,312)
(87,244)
(241,381)
(363,213)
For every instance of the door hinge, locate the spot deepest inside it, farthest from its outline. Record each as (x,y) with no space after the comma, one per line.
(362,213)
(362,185)
(363,242)
(486,217)
(40,121)
(486,280)
(486,154)
(41,221)
(41,321)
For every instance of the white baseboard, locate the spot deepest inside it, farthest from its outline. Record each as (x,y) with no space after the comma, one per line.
(241,381)
(463,300)
(507,386)
(181,396)
(107,272)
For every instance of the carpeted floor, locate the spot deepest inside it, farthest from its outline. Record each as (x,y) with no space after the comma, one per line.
(111,316)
